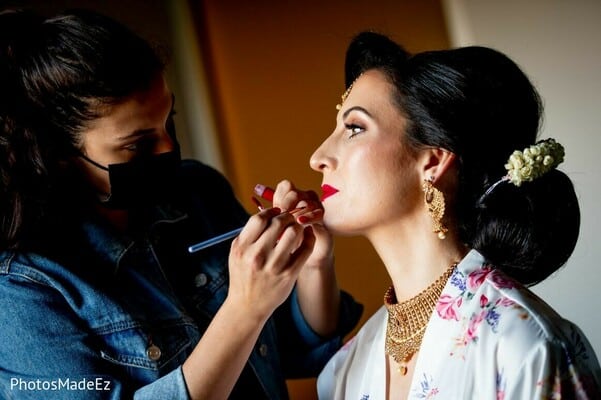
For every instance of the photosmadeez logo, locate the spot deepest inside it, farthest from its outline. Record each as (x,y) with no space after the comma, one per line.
(60,384)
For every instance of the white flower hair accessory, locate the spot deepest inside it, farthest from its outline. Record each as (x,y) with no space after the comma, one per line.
(531,163)
(534,161)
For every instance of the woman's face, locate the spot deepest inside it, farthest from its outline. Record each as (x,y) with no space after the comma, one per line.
(132,128)
(370,178)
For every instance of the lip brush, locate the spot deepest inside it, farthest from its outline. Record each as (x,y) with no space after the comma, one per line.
(228,235)
(213,241)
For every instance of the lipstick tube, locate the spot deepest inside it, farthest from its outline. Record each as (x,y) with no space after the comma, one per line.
(264,192)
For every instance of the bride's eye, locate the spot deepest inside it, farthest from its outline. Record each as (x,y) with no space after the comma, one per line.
(354,130)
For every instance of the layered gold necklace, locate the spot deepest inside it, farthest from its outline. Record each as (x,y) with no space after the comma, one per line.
(407,321)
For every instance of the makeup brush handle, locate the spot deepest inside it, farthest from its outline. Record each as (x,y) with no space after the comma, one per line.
(215,240)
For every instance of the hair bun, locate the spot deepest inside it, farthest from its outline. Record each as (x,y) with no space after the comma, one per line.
(369,49)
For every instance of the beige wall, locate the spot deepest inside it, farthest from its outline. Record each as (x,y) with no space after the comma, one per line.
(557,43)
(277,73)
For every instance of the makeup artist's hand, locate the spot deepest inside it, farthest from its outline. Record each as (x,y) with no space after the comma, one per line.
(317,288)
(288,197)
(265,260)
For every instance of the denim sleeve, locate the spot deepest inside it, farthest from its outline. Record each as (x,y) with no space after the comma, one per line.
(170,386)
(47,352)
(304,352)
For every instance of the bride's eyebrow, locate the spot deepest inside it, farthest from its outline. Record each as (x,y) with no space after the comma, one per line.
(357,108)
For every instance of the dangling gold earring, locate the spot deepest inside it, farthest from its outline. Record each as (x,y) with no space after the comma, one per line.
(434,200)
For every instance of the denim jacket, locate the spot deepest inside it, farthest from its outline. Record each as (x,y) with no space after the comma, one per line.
(113,317)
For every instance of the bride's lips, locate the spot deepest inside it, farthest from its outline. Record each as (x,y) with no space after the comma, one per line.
(327,191)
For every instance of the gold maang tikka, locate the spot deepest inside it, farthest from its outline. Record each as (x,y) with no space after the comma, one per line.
(434,200)
(346,93)
(344,96)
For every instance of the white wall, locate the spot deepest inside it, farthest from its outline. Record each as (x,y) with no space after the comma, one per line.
(558,44)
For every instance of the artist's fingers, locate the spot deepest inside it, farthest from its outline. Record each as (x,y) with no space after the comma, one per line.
(310,217)
(287,196)
(304,251)
(256,225)
(273,233)
(288,242)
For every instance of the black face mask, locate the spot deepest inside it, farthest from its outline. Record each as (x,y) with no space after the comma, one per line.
(143,181)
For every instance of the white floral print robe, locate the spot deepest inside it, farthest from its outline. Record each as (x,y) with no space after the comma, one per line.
(488,338)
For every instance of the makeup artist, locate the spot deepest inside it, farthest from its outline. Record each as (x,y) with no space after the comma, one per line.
(435,160)
(99,297)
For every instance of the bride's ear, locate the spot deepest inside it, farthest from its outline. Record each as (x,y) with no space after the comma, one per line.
(435,162)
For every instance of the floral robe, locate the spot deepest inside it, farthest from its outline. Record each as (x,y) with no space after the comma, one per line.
(488,338)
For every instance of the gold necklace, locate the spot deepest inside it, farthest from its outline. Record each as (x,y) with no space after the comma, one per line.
(407,321)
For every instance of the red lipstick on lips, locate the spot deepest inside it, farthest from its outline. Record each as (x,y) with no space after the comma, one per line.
(327,191)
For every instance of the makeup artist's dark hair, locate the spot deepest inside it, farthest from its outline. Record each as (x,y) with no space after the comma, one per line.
(477,103)
(54,75)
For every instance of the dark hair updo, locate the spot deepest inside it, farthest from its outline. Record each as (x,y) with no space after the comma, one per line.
(477,103)
(54,75)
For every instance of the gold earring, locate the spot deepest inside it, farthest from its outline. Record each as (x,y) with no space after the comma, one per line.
(434,200)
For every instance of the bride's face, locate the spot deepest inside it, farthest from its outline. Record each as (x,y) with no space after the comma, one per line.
(370,177)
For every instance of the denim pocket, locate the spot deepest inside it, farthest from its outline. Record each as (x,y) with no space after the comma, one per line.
(152,347)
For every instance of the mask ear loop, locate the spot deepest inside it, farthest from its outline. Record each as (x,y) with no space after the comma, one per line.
(94,163)
(102,167)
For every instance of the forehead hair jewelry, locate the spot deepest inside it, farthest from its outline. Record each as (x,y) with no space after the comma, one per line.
(344,96)
(346,93)
(530,164)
